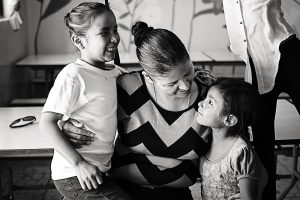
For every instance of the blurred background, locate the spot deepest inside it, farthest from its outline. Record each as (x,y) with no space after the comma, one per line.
(36,28)
(198,23)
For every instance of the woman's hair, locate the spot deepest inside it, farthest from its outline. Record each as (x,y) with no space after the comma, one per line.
(240,100)
(158,50)
(81,17)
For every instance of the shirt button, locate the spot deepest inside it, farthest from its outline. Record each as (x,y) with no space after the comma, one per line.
(237,1)
(241,22)
(245,40)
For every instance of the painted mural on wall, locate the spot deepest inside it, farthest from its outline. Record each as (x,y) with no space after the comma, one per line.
(203,21)
(52,7)
(215,8)
(199,24)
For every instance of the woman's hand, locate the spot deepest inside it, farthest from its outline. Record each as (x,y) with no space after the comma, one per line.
(235,197)
(89,176)
(76,134)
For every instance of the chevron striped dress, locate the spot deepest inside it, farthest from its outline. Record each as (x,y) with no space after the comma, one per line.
(156,147)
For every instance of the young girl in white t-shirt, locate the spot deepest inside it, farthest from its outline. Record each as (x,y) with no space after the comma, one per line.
(86,91)
(231,165)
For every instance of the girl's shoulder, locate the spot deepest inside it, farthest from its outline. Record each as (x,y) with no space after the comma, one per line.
(71,70)
(240,146)
(120,70)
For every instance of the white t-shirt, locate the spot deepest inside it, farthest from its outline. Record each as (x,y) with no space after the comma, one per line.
(89,95)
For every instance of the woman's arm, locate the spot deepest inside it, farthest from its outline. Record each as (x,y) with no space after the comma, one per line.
(88,175)
(248,189)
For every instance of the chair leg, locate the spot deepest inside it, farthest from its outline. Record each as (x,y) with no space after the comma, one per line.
(295,174)
(10,184)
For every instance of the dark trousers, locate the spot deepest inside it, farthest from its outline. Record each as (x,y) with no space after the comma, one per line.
(138,192)
(288,81)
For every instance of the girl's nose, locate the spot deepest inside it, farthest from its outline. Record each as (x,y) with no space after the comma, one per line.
(115,38)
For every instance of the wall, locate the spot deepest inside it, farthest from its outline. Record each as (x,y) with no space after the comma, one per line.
(206,30)
(13,47)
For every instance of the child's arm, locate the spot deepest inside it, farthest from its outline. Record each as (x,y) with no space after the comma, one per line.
(88,175)
(248,188)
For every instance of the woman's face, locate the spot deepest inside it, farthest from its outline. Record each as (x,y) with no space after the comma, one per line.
(176,83)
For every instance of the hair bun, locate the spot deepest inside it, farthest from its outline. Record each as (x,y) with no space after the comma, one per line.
(139,30)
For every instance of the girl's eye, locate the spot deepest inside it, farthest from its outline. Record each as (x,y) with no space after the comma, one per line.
(104,33)
(210,102)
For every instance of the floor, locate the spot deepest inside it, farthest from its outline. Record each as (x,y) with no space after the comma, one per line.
(39,176)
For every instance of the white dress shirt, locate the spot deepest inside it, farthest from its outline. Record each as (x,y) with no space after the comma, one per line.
(257,27)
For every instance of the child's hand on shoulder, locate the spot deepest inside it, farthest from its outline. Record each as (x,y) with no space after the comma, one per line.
(89,175)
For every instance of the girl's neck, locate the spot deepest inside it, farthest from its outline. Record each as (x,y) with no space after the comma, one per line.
(222,135)
(221,144)
(97,64)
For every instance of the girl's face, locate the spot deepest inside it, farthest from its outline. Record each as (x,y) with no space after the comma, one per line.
(101,40)
(209,111)
(176,83)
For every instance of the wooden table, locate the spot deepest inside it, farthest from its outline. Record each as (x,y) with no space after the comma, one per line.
(50,63)
(287,130)
(21,144)
(223,58)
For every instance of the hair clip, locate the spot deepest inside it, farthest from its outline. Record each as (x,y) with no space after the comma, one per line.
(22,122)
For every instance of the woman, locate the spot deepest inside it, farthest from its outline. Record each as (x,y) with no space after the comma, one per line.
(159,139)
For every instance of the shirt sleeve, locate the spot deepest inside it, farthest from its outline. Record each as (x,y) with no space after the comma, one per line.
(120,70)
(246,164)
(66,95)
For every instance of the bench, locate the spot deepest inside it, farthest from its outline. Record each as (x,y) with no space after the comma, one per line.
(28,102)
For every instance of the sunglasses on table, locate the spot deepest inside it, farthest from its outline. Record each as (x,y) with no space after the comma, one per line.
(22,122)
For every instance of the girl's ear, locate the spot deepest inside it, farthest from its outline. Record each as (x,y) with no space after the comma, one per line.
(230,120)
(77,41)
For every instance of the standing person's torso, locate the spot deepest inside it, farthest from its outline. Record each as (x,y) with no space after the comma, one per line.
(156,147)
(89,95)
(257,27)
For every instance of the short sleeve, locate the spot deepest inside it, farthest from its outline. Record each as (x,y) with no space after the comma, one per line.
(247,164)
(120,70)
(65,96)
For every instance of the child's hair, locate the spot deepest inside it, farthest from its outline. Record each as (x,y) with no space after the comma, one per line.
(81,17)
(240,100)
(158,50)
